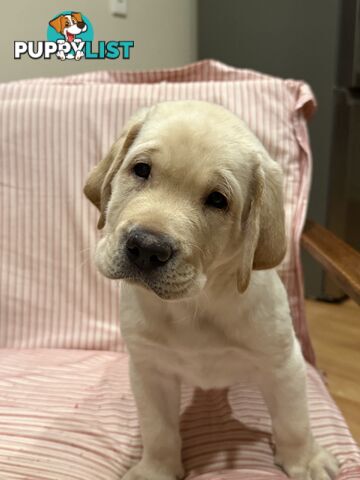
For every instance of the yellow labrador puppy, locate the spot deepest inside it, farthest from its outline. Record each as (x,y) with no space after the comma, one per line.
(192,210)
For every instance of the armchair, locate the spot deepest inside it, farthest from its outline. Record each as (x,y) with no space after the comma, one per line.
(66,407)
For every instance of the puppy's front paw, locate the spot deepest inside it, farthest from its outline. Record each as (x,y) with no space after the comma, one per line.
(144,471)
(319,465)
(79,55)
(61,55)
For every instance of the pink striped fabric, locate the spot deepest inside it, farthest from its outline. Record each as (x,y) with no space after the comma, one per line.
(70,415)
(54,130)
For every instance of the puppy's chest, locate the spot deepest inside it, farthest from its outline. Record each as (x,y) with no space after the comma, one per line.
(200,354)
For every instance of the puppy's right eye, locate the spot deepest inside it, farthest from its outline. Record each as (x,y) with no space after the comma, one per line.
(217,200)
(142,170)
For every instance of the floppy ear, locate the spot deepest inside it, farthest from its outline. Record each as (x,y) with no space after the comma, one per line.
(263,242)
(98,183)
(57,23)
(77,16)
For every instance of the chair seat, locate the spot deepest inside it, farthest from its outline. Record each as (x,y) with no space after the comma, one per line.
(70,415)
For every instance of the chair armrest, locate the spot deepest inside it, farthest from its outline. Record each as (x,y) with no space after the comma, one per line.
(337,257)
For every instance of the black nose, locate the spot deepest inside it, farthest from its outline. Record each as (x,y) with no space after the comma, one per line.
(148,250)
(80,24)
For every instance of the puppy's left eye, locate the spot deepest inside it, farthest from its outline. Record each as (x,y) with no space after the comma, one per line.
(142,170)
(217,200)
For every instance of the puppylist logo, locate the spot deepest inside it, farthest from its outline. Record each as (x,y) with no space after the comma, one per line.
(70,37)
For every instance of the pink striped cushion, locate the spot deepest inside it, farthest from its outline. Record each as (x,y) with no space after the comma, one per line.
(70,415)
(54,130)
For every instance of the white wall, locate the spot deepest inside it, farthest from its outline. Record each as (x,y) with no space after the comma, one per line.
(164,32)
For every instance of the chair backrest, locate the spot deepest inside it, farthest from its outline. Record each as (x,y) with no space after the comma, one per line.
(54,130)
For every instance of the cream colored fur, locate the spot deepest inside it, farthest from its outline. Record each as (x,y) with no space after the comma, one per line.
(218,313)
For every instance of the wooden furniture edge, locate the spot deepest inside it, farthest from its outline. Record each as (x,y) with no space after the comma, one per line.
(336,256)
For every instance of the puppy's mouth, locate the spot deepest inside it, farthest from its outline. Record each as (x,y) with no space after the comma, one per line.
(70,36)
(161,291)
(169,283)
(164,285)
(155,262)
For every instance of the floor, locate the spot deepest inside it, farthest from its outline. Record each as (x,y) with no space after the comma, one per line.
(335,332)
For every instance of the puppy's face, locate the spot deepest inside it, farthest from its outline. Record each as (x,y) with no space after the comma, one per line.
(178,193)
(69,25)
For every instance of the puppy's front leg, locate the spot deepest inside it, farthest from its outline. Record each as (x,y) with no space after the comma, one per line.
(157,397)
(297,451)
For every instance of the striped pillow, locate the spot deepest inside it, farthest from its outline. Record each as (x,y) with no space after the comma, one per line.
(54,130)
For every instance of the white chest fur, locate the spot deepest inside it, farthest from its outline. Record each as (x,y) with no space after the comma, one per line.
(207,343)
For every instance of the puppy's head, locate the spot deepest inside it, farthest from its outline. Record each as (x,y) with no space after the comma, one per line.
(69,25)
(187,190)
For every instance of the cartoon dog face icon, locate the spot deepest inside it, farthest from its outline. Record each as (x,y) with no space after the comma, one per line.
(69,25)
